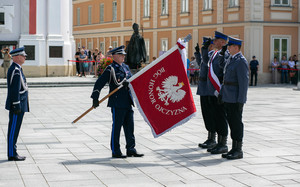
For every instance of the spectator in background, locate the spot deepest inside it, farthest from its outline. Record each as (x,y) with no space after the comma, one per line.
(6,60)
(94,59)
(253,68)
(107,54)
(89,63)
(291,65)
(295,58)
(85,51)
(82,58)
(284,71)
(153,58)
(77,61)
(274,66)
(193,71)
(100,56)
(188,67)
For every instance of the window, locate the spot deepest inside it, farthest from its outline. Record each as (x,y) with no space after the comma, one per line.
(78,16)
(30,51)
(184,6)
(90,15)
(147,44)
(102,47)
(207,5)
(2,20)
(90,45)
(280,47)
(102,13)
(164,44)
(164,7)
(114,10)
(114,44)
(78,45)
(233,3)
(146,8)
(282,2)
(55,51)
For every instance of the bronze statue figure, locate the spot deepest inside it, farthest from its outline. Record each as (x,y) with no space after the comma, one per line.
(136,49)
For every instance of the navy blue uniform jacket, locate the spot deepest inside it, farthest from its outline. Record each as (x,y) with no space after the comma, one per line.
(235,72)
(17,95)
(122,98)
(218,69)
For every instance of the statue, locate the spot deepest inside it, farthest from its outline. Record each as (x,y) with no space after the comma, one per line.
(136,49)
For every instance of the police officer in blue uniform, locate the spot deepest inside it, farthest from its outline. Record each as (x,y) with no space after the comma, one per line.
(216,108)
(208,119)
(234,95)
(16,102)
(120,102)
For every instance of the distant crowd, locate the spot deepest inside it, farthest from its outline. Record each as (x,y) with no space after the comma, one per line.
(286,69)
(86,60)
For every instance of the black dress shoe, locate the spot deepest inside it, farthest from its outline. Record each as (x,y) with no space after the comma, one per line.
(207,144)
(119,156)
(220,149)
(135,154)
(237,154)
(17,158)
(224,155)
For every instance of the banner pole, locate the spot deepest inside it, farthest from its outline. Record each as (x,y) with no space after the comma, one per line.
(103,99)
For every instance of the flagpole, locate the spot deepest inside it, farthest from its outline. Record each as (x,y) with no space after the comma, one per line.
(103,99)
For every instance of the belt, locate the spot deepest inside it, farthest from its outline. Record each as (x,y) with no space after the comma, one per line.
(231,83)
(203,78)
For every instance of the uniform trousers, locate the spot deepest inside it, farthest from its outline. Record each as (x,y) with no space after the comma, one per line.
(218,115)
(234,116)
(122,117)
(253,73)
(206,114)
(14,125)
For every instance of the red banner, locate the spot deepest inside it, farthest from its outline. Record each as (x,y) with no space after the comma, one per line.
(162,93)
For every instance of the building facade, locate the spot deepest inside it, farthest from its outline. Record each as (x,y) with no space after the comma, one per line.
(44,28)
(268,28)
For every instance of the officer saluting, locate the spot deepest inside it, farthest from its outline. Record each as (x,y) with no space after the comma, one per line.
(16,102)
(234,95)
(120,102)
(208,118)
(215,79)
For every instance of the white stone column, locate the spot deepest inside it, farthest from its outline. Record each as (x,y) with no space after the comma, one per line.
(133,11)
(195,38)
(247,12)
(220,11)
(66,31)
(54,18)
(256,10)
(138,8)
(174,38)
(122,40)
(253,43)
(155,46)
(195,12)
(24,17)
(155,4)
(174,13)
(122,13)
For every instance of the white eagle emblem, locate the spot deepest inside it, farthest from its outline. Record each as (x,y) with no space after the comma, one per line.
(170,90)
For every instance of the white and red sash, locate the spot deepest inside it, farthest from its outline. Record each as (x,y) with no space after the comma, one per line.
(213,77)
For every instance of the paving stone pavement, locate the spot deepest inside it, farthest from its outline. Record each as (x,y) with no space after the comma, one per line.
(63,154)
